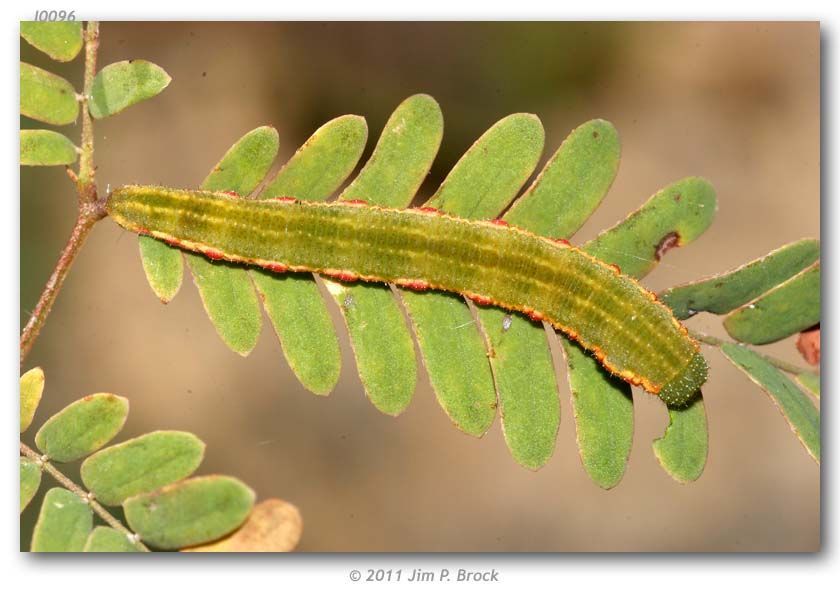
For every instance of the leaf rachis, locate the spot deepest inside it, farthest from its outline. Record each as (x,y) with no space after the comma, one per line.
(624,325)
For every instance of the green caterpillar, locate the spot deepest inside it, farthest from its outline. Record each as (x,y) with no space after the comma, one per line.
(628,330)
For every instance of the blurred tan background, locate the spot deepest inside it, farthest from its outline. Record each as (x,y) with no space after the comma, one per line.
(736,103)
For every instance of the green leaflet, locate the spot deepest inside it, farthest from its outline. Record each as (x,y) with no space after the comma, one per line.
(603,409)
(164,267)
(60,40)
(45,148)
(46,97)
(107,539)
(683,448)
(673,217)
(379,335)
(82,427)
(726,292)
(30,480)
(31,389)
(479,186)
(487,261)
(572,184)
(120,85)
(227,291)
(797,408)
(141,465)
(784,310)
(63,524)
(294,304)
(191,512)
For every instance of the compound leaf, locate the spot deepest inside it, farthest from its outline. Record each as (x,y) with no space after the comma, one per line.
(63,524)
(30,480)
(786,309)
(800,413)
(45,148)
(108,539)
(60,40)
(141,465)
(82,427)
(273,526)
(191,512)
(31,389)
(46,97)
(726,292)
(122,84)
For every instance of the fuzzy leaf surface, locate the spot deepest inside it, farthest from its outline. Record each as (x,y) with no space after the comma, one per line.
(30,480)
(122,84)
(60,40)
(141,465)
(64,523)
(683,448)
(45,148)
(47,97)
(82,427)
(191,512)
(786,309)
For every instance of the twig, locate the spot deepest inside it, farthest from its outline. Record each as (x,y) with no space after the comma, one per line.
(91,207)
(711,340)
(79,491)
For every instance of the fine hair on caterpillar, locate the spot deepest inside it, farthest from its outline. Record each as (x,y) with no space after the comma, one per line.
(622,324)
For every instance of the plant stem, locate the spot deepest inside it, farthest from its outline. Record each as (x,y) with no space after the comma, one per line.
(91,207)
(79,491)
(30,333)
(711,340)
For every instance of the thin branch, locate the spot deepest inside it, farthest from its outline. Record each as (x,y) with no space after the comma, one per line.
(45,303)
(79,491)
(711,340)
(87,169)
(91,207)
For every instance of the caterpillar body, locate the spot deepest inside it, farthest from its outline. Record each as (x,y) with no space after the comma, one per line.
(622,324)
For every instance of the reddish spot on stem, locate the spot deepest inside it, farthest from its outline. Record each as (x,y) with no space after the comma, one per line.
(345,276)
(417,285)
(616,268)
(669,241)
(430,209)
(213,255)
(500,222)
(285,199)
(480,300)
(562,242)
(355,202)
(277,267)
